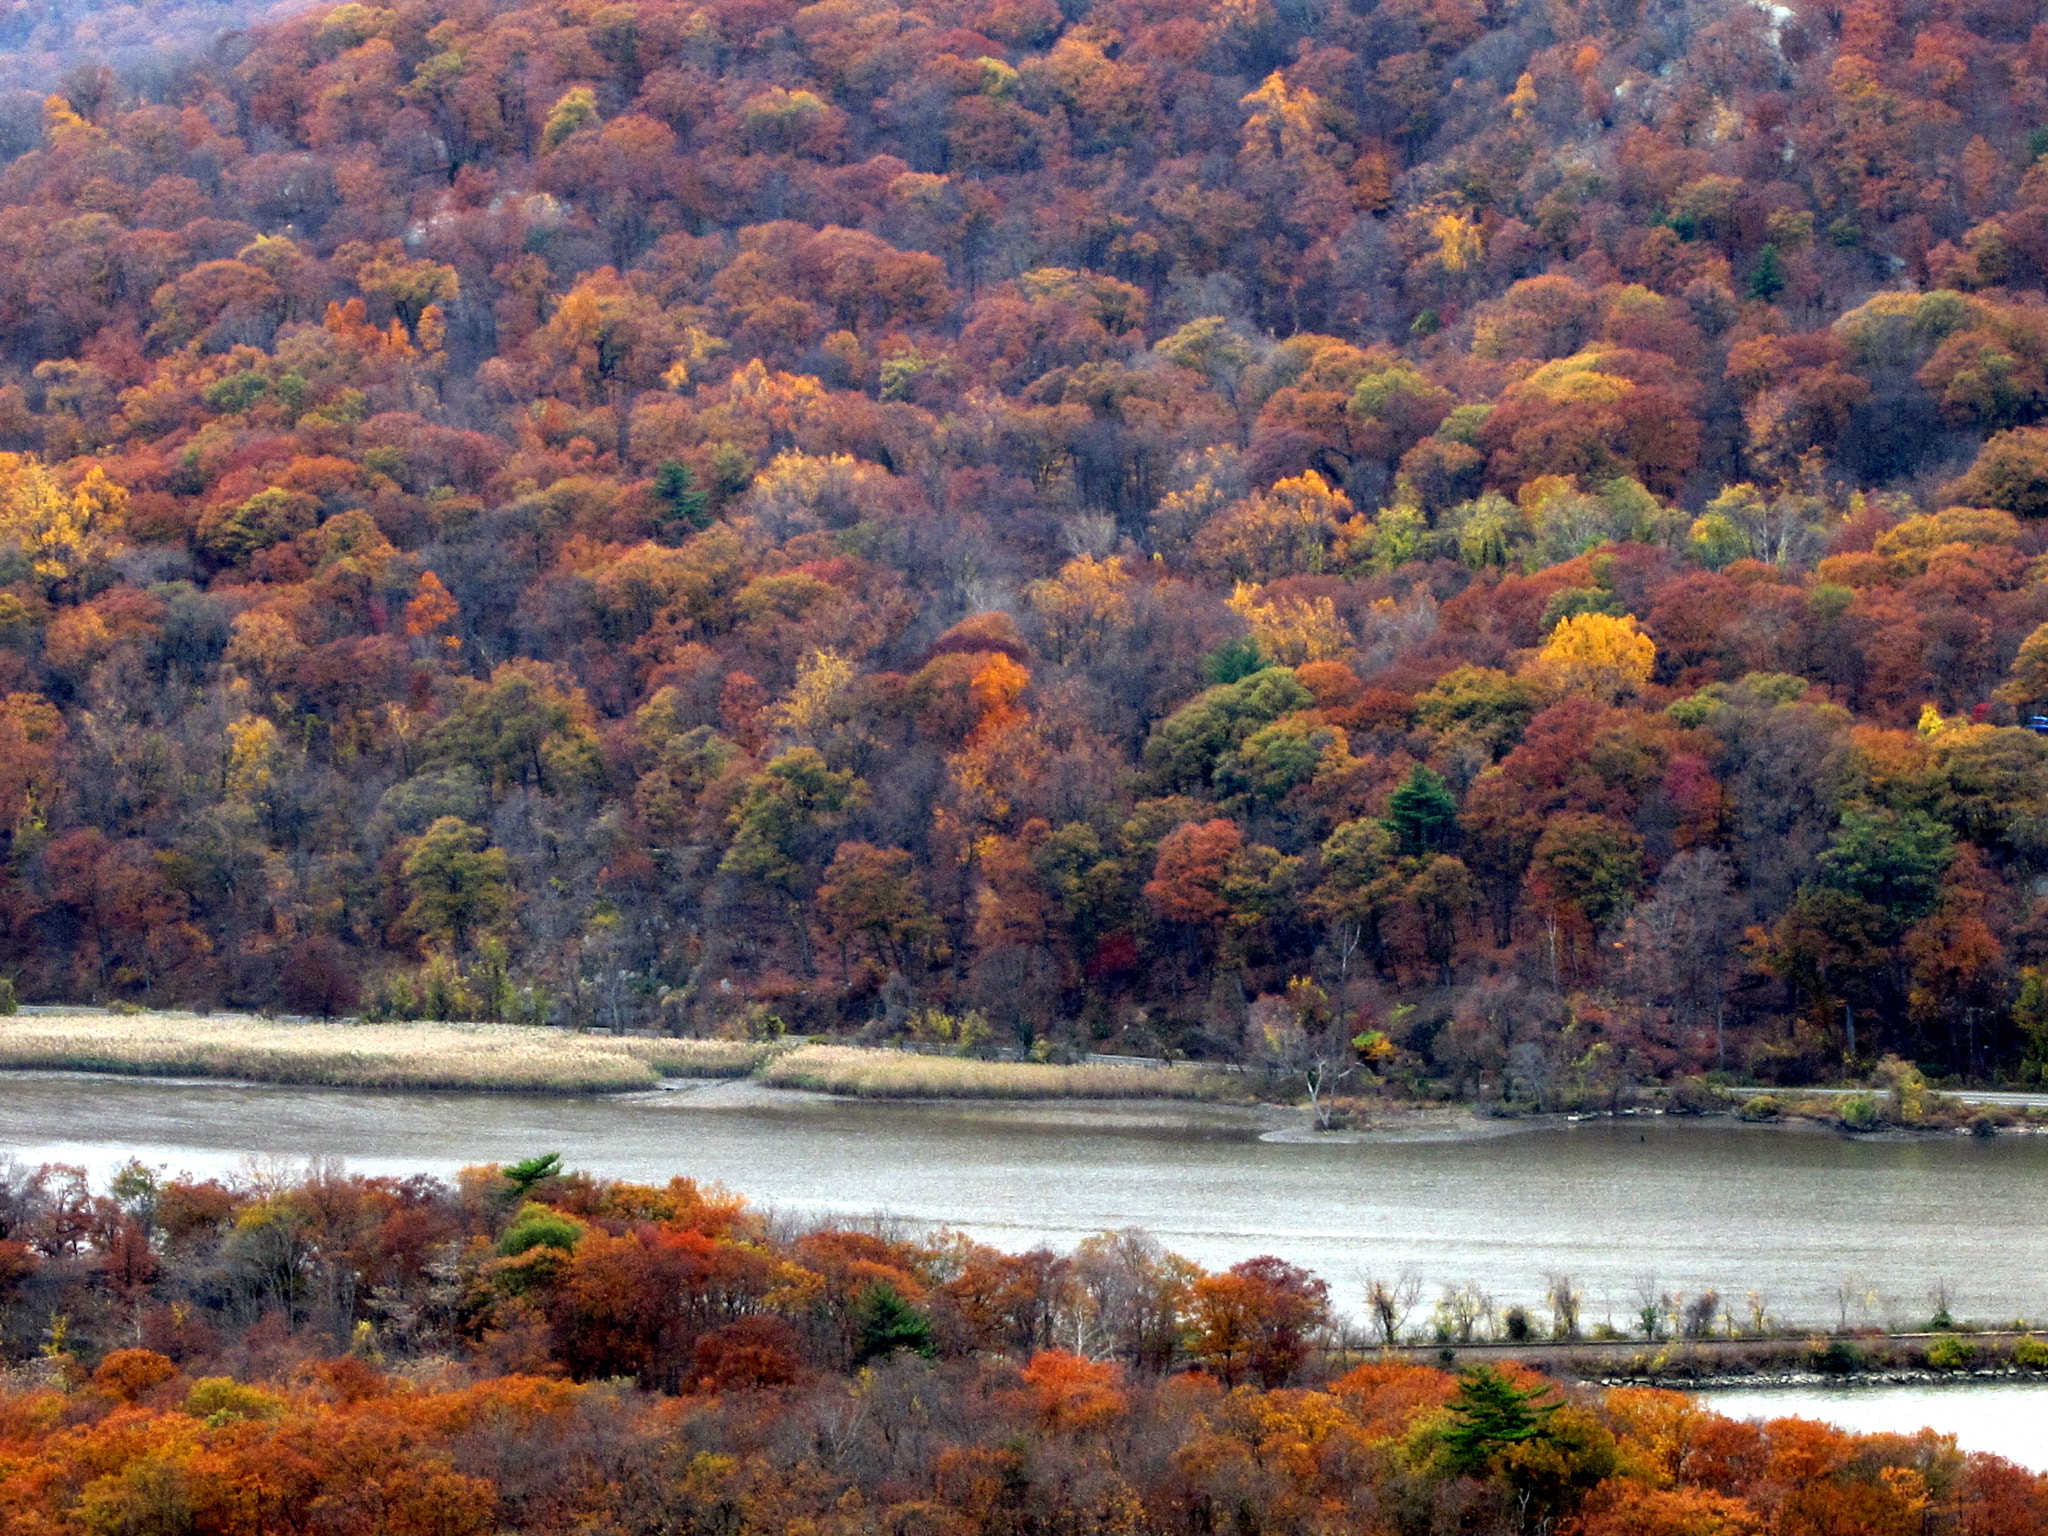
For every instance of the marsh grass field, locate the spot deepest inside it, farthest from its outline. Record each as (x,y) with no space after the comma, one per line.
(851,1072)
(512,1058)
(505,1058)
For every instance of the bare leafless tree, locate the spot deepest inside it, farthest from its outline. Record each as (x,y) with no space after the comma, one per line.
(1565,1299)
(1301,1038)
(1461,1310)
(1390,1302)
(1697,1320)
(1678,946)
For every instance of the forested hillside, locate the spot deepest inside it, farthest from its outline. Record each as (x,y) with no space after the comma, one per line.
(1508,533)
(91,47)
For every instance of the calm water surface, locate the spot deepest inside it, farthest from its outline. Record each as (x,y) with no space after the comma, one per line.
(2005,1418)
(1797,1216)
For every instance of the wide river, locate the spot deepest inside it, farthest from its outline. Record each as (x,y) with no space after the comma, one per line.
(1804,1218)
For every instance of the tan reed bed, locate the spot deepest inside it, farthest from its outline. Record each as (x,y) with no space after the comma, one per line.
(855,1073)
(497,1057)
(511,1058)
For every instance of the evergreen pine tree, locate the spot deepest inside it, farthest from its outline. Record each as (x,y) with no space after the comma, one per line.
(1422,815)
(1492,1412)
(1234,661)
(682,507)
(1768,280)
(889,1323)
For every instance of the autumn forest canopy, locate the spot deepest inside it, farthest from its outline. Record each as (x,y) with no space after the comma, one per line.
(1514,535)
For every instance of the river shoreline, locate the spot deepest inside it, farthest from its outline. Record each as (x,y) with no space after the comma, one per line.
(1796,1359)
(233,1049)
(1247,1120)
(1960,1381)
(1668,1203)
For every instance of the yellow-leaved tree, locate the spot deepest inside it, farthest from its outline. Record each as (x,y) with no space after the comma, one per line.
(1087,602)
(1284,531)
(818,701)
(2026,688)
(1291,630)
(1595,653)
(60,533)
(255,754)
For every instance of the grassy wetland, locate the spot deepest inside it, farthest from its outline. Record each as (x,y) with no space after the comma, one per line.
(852,1072)
(517,1058)
(506,1058)
(510,1058)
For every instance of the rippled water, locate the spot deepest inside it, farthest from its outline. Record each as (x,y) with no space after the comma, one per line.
(1795,1215)
(2007,1419)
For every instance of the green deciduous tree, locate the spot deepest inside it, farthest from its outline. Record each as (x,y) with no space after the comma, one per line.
(575,111)
(457,884)
(527,725)
(1480,704)
(1439,890)
(1891,859)
(2027,687)
(1361,880)
(1185,747)
(1278,758)
(779,822)
(1831,951)
(411,287)
(2011,473)
(1591,864)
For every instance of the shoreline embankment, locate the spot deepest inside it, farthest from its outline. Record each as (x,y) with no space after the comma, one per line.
(1792,1359)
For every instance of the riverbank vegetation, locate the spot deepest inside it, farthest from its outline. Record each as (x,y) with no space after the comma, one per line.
(504,1057)
(1862,1355)
(869,1074)
(514,1058)
(532,1059)
(1674,1335)
(1497,550)
(1898,1098)
(527,1349)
